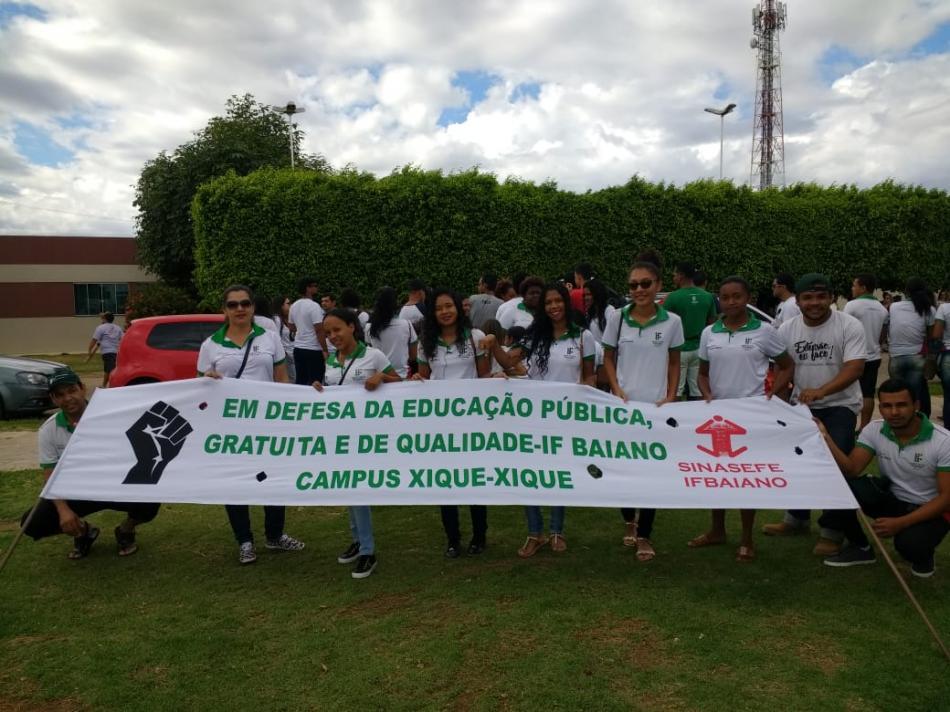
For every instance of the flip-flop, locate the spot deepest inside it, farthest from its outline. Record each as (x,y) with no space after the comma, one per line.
(83,544)
(745,554)
(645,550)
(697,542)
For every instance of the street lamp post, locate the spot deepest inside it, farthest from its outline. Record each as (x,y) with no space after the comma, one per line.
(721,113)
(290,110)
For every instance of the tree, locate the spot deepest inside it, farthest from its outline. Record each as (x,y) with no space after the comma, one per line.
(250,136)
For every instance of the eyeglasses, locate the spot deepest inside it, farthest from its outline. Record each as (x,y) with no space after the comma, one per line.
(642,284)
(244,304)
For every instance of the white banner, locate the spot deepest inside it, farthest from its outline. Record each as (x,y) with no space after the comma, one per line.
(489,441)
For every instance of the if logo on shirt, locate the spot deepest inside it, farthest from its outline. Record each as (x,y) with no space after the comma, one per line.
(918,458)
(658,338)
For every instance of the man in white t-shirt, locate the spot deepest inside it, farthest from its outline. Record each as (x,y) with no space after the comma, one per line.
(783,289)
(872,315)
(911,499)
(522,313)
(106,338)
(414,311)
(59,516)
(309,342)
(829,350)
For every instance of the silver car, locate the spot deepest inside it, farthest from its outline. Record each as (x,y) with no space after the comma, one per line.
(23,385)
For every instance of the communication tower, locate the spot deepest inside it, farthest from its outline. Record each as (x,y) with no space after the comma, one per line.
(768,140)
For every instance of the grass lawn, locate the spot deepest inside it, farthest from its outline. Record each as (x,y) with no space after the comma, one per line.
(25,423)
(181,626)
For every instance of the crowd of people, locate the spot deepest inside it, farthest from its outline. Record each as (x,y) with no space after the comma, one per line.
(651,346)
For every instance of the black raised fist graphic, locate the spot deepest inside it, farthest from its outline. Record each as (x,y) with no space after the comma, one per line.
(157,438)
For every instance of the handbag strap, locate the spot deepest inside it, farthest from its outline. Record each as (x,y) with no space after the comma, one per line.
(347,370)
(247,353)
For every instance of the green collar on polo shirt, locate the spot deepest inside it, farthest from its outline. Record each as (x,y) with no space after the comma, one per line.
(522,307)
(466,334)
(752,324)
(357,353)
(221,336)
(573,332)
(867,296)
(926,432)
(63,422)
(661,315)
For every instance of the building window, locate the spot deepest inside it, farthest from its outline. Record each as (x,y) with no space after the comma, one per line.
(93,299)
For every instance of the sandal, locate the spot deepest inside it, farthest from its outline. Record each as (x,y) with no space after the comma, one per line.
(630,535)
(126,542)
(645,550)
(698,542)
(745,554)
(558,543)
(531,546)
(83,544)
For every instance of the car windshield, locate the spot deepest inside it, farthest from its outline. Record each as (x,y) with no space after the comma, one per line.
(181,336)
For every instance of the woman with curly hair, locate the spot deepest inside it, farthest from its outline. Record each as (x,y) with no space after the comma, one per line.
(452,350)
(393,336)
(556,348)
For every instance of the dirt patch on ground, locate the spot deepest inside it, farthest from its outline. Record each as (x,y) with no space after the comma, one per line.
(794,641)
(18,450)
(377,605)
(632,639)
(64,705)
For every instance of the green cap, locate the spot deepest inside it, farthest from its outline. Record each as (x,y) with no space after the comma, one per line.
(812,282)
(63,377)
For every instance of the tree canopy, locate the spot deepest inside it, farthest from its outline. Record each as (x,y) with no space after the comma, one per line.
(251,135)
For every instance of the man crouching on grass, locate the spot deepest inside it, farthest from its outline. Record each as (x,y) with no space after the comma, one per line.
(911,498)
(59,516)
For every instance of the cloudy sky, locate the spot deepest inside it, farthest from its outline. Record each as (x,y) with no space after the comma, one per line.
(584,92)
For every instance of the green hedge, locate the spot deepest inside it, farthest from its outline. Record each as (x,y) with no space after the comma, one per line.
(352,229)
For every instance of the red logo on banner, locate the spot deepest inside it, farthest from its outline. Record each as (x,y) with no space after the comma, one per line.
(721,432)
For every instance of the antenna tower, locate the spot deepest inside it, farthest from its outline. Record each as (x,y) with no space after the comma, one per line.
(768,140)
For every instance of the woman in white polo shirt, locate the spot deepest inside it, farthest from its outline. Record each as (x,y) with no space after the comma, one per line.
(909,326)
(242,349)
(355,363)
(734,355)
(393,336)
(451,350)
(642,345)
(556,349)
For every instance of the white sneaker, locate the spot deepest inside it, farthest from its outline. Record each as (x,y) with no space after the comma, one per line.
(285,543)
(246,553)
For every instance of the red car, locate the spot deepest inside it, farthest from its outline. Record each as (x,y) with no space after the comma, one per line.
(162,348)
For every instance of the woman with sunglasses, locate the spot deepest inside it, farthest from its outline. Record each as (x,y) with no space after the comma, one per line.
(556,349)
(242,349)
(642,345)
(452,350)
(353,363)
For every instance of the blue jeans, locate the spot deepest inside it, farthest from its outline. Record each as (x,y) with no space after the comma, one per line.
(361,527)
(911,369)
(944,371)
(536,520)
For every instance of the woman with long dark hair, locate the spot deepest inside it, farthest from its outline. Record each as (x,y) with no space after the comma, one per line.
(910,326)
(228,353)
(556,348)
(280,308)
(642,361)
(393,336)
(355,363)
(452,350)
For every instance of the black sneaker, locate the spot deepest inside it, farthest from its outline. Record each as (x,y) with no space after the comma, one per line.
(453,551)
(351,554)
(925,570)
(852,555)
(365,566)
(475,548)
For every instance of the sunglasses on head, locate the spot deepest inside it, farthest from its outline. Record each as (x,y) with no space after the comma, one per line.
(642,284)
(244,303)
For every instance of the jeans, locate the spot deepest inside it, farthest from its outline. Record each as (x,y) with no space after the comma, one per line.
(840,423)
(944,371)
(239,515)
(644,523)
(310,366)
(536,520)
(361,528)
(911,369)
(450,522)
(45,520)
(915,544)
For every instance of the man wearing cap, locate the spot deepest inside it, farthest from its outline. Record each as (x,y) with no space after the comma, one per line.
(60,516)
(829,350)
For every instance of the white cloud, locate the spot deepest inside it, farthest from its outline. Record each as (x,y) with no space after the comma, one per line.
(622,90)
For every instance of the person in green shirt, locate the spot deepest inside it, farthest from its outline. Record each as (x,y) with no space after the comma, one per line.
(697,309)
